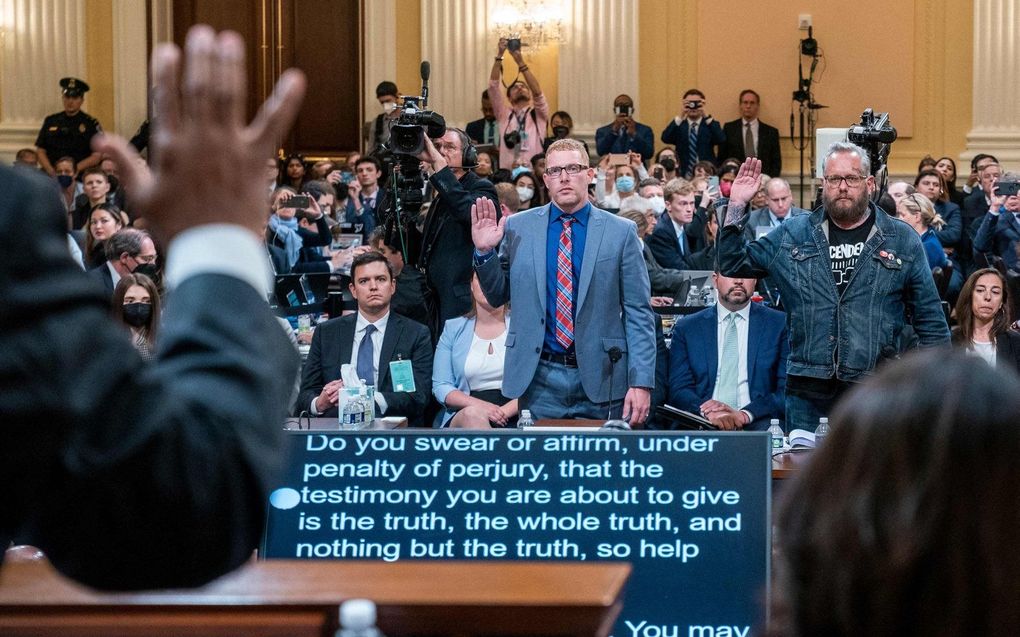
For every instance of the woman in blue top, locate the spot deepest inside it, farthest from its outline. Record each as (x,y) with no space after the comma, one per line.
(467,372)
(919,213)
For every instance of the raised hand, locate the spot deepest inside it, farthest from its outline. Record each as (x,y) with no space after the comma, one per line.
(208,166)
(486,232)
(745,186)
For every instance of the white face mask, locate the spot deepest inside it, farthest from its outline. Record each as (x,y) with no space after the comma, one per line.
(388,107)
(658,204)
(525,193)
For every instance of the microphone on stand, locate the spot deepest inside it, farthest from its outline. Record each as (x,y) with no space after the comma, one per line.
(615,354)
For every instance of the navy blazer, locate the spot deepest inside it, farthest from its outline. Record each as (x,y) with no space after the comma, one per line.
(332,345)
(609,141)
(694,362)
(710,137)
(665,245)
(999,235)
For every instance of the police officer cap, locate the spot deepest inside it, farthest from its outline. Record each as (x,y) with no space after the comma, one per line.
(73,87)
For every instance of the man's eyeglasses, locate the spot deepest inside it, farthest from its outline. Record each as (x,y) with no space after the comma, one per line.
(571,169)
(145,258)
(852,181)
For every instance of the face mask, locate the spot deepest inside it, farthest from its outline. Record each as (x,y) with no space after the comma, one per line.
(724,188)
(137,314)
(560,131)
(148,269)
(658,204)
(389,107)
(525,193)
(64,180)
(625,183)
(668,164)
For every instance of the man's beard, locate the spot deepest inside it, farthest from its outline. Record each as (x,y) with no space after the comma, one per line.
(842,213)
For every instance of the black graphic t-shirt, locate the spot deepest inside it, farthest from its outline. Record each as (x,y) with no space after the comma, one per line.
(845,247)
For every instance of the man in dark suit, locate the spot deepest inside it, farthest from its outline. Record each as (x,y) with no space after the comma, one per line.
(778,209)
(446,244)
(127,250)
(484,130)
(749,137)
(375,342)
(696,136)
(728,362)
(127,474)
(999,232)
(671,241)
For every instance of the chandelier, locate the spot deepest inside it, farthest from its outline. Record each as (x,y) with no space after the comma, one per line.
(536,23)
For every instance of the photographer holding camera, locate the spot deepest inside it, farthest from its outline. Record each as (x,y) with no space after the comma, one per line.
(446,246)
(625,135)
(523,121)
(696,136)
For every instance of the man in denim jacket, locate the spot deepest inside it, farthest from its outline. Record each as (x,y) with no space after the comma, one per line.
(850,277)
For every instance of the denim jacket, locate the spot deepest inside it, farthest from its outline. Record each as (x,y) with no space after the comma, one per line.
(841,335)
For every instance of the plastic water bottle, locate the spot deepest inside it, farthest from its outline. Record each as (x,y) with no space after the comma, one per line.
(777,435)
(822,431)
(357,619)
(525,421)
(693,297)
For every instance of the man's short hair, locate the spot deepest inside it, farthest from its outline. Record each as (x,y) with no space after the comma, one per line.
(776,180)
(66,158)
(368,159)
(386,88)
(25,151)
(569,145)
(979,157)
(94,170)
(909,190)
(370,257)
(318,188)
(694,91)
(537,157)
(635,203)
(993,165)
(838,148)
(648,181)
(378,238)
(677,186)
(485,94)
(125,240)
(752,92)
(507,195)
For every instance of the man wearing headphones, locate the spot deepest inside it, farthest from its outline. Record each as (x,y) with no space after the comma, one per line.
(446,247)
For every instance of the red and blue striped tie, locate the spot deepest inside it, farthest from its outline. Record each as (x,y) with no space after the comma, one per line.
(565,287)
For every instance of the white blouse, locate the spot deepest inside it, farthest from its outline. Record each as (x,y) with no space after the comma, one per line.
(484,370)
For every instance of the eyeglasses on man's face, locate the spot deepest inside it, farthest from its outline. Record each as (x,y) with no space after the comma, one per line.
(570,169)
(852,181)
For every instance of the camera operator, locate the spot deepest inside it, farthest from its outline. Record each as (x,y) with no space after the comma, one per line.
(523,121)
(849,275)
(446,242)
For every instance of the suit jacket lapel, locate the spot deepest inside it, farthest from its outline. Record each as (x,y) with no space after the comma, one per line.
(389,343)
(592,242)
(345,341)
(540,232)
(710,337)
(753,340)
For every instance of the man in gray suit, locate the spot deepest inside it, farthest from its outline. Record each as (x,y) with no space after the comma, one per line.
(779,208)
(576,281)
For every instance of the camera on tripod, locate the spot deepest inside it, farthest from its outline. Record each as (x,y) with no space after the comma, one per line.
(874,134)
(407,135)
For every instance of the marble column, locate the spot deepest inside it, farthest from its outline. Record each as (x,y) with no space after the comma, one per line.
(996,114)
(592,73)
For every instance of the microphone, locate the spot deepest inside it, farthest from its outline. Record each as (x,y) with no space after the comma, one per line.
(425,71)
(615,354)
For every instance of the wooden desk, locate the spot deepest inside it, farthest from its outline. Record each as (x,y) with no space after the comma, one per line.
(301,598)
(786,465)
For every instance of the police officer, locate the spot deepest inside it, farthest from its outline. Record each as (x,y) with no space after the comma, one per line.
(69,132)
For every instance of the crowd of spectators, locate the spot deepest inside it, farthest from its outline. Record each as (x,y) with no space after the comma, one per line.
(675,196)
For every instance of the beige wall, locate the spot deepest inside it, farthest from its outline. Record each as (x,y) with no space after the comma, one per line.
(99,63)
(914,61)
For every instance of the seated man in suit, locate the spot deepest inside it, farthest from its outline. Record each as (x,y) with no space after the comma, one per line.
(778,208)
(664,281)
(375,341)
(670,242)
(127,251)
(728,362)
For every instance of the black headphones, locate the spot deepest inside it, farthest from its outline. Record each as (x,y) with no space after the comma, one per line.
(468,153)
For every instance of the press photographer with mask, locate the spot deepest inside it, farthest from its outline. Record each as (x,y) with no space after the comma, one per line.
(523,113)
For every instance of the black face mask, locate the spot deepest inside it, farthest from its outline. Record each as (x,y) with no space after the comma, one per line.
(669,164)
(148,269)
(560,131)
(137,314)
